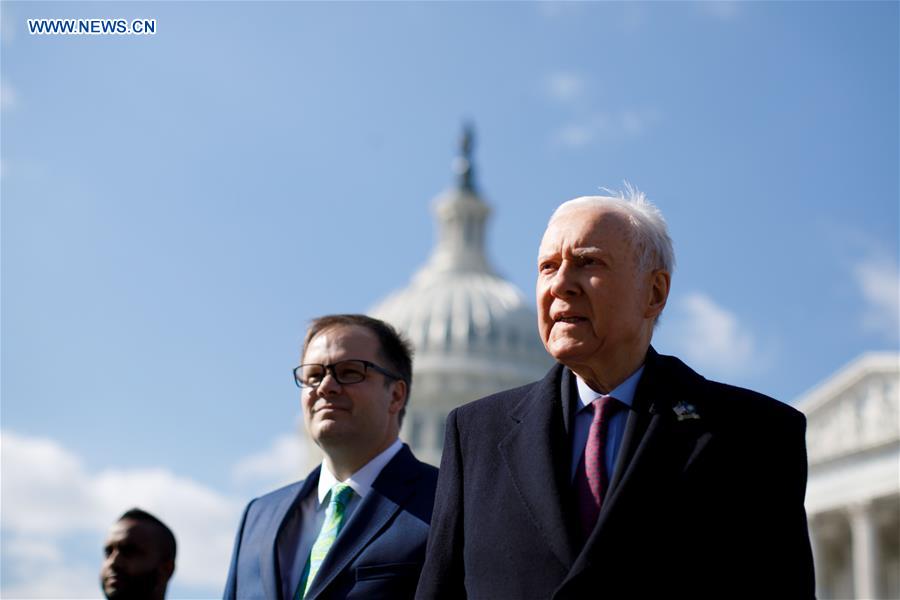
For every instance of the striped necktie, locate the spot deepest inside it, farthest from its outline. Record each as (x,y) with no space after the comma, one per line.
(334,519)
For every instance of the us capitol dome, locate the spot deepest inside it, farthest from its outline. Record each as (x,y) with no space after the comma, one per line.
(473,332)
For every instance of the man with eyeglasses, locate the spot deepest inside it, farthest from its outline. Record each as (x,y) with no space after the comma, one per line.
(358,524)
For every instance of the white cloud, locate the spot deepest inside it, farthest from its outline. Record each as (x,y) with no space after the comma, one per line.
(712,338)
(47,574)
(557,8)
(724,10)
(50,498)
(49,495)
(44,487)
(34,549)
(203,520)
(879,283)
(635,122)
(289,458)
(575,136)
(628,123)
(9,98)
(565,86)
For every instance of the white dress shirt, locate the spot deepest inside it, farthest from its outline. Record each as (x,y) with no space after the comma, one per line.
(293,546)
(624,393)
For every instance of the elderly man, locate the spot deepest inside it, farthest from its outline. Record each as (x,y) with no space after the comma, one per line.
(623,473)
(357,525)
(139,558)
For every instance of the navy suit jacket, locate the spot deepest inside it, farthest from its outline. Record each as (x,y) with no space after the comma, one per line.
(706,499)
(378,554)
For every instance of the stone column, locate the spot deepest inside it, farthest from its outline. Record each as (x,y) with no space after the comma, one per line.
(864,535)
(817,527)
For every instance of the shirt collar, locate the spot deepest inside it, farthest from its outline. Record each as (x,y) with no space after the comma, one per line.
(362,480)
(624,392)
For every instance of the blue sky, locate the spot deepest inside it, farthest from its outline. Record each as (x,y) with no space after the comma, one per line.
(176,207)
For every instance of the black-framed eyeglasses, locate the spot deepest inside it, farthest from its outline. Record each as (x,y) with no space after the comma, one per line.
(345,372)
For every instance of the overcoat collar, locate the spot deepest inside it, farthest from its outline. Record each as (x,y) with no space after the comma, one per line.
(654,446)
(537,449)
(665,383)
(536,455)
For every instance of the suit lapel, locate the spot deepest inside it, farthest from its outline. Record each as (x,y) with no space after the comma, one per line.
(268,557)
(390,492)
(655,443)
(536,453)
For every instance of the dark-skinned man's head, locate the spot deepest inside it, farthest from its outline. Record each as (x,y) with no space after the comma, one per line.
(139,558)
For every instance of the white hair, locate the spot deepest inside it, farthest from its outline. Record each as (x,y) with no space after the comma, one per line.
(649,232)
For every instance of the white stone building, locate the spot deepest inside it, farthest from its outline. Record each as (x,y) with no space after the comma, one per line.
(853,491)
(473,332)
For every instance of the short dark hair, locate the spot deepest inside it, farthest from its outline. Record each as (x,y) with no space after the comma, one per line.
(168,547)
(394,349)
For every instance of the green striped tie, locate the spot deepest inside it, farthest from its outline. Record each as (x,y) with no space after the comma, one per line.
(334,519)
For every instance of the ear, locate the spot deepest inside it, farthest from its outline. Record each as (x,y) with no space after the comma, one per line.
(398,396)
(658,292)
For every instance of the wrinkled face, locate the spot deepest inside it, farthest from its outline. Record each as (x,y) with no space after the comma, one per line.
(593,301)
(133,564)
(362,417)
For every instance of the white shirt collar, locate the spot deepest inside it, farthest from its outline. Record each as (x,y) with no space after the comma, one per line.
(624,392)
(362,480)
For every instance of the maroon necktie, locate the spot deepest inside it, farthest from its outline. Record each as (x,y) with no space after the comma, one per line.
(591,477)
